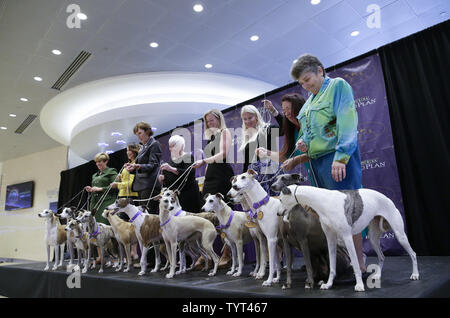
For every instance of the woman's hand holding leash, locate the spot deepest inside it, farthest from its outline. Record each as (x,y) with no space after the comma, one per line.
(199,163)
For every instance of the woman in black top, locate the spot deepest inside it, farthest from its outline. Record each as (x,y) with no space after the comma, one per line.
(146,167)
(218,171)
(255,134)
(173,172)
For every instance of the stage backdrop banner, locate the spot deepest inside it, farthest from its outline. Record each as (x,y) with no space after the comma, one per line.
(379,167)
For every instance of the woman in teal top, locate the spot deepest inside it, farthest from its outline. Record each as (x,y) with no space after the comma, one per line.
(329,131)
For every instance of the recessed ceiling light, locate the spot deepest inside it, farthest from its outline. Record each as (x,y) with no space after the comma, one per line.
(12,115)
(254,38)
(3,128)
(121,142)
(354,33)
(443,14)
(154,44)
(314,2)
(37,78)
(81,16)
(116,133)
(108,152)
(198,7)
(208,65)
(23,99)
(102,144)
(56,52)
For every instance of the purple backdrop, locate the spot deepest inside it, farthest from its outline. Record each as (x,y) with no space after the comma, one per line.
(375,136)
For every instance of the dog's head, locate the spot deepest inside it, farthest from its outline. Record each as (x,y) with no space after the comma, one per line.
(244,180)
(47,214)
(120,203)
(287,199)
(169,199)
(234,196)
(68,213)
(84,216)
(213,202)
(107,212)
(72,225)
(285,180)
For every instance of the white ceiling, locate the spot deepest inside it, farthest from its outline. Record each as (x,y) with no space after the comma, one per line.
(118,33)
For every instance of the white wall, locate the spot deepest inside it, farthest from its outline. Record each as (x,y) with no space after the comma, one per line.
(22,231)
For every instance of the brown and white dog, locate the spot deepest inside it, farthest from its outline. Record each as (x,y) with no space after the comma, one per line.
(146,228)
(125,234)
(55,236)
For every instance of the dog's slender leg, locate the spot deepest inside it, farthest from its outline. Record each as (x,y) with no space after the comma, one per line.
(143,260)
(121,252)
(240,254)
(374,238)
(350,245)
(307,257)
(61,254)
(71,250)
(233,258)
(56,248)
(395,220)
(102,258)
(157,258)
(264,253)
(88,258)
(128,254)
(288,252)
(331,242)
(48,258)
(272,244)
(207,242)
(173,259)
(257,252)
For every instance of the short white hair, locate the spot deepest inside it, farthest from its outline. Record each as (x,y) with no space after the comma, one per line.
(177,140)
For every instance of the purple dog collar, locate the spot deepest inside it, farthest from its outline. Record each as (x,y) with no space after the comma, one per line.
(135,216)
(259,204)
(91,235)
(221,227)
(251,214)
(168,220)
(179,212)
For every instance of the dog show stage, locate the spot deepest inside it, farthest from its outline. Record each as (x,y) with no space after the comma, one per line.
(28,279)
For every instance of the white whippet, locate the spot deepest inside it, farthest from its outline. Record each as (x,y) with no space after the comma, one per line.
(346,213)
(267,209)
(55,236)
(258,237)
(192,247)
(180,229)
(232,225)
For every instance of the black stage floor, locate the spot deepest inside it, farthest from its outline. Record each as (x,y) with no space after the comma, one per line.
(29,280)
